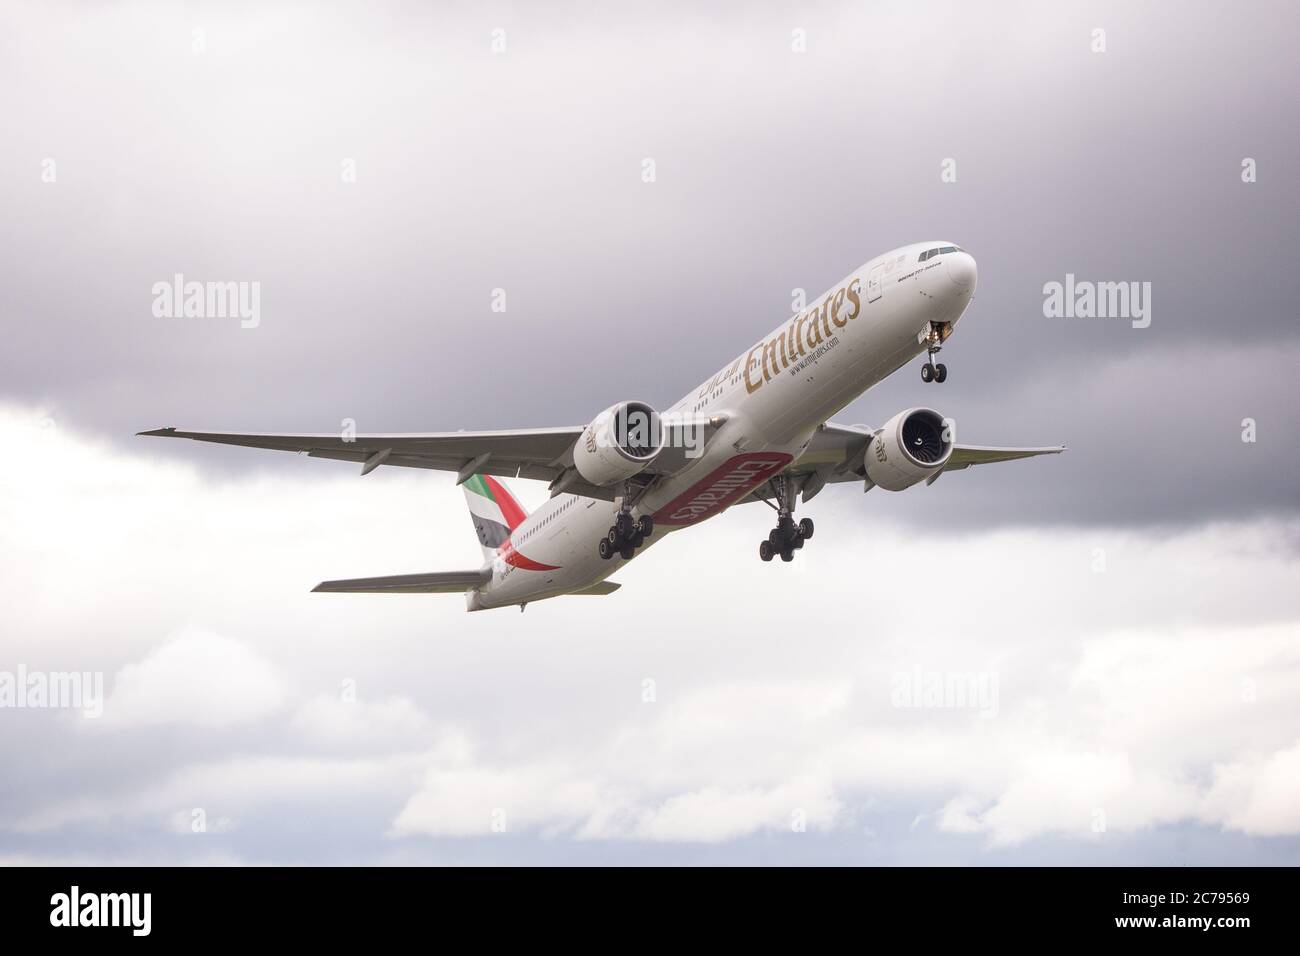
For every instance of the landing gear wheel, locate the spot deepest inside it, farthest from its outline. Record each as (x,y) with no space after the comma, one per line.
(927,372)
(627,533)
(788,536)
(606,549)
(940,372)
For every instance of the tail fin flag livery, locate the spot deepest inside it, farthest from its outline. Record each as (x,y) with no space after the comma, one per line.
(494,511)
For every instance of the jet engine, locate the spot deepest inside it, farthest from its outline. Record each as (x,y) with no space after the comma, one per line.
(912,446)
(620,442)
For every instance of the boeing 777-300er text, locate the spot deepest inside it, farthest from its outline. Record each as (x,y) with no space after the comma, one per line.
(757,430)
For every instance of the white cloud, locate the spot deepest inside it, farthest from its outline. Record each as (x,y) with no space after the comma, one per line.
(1259,795)
(473,801)
(1075,795)
(1162,691)
(230,790)
(391,724)
(714,814)
(558,800)
(196,678)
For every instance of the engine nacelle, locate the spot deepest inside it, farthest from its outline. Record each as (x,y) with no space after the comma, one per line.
(912,446)
(621,442)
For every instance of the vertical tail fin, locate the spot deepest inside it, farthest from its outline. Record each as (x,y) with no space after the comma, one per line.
(494,511)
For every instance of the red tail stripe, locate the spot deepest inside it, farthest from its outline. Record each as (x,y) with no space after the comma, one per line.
(512,557)
(510,509)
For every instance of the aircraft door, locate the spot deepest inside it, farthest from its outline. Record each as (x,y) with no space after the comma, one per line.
(873,284)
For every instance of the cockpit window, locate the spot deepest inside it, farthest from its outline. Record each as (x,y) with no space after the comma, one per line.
(940,251)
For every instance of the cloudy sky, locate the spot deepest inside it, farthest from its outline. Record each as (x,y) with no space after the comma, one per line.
(1126,613)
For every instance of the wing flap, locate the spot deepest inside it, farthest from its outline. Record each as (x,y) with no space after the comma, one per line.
(437,582)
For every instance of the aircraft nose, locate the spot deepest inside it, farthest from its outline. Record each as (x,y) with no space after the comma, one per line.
(961,269)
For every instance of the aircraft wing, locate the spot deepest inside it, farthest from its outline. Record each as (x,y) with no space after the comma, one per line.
(835,455)
(963,456)
(437,582)
(545,454)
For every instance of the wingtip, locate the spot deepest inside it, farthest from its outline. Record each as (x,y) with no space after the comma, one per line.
(159,432)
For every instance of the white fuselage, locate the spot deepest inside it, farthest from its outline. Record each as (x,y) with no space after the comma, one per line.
(770,401)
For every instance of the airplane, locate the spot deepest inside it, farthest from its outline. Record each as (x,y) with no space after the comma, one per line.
(756,430)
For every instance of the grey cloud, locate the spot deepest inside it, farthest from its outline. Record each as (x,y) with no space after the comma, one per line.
(522,172)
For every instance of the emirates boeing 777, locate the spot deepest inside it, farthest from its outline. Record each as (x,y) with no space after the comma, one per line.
(757,430)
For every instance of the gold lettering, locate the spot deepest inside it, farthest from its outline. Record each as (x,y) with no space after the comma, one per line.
(814,333)
(855,297)
(838,304)
(751,387)
(769,351)
(798,333)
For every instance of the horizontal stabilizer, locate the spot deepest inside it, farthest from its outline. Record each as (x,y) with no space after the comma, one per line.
(437,582)
(601,587)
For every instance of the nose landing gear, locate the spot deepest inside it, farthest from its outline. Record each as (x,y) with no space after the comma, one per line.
(931,372)
(787,537)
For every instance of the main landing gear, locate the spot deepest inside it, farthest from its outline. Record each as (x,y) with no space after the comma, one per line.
(787,537)
(626,534)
